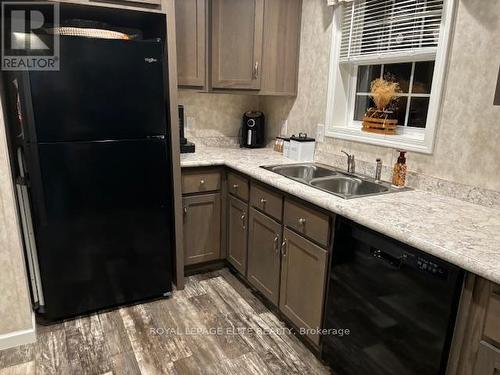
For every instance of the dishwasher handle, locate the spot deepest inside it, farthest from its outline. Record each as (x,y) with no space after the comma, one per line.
(388,258)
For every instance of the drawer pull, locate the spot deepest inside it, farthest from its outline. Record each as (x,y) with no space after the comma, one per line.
(202,182)
(243,220)
(302,221)
(263,201)
(235,187)
(276,244)
(185,210)
(283,248)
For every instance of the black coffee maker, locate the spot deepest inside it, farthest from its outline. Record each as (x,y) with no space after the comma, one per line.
(253,130)
(186,147)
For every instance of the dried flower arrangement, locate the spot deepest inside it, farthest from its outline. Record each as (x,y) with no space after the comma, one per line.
(379,119)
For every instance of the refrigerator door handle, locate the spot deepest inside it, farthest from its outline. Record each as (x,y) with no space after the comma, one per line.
(28,234)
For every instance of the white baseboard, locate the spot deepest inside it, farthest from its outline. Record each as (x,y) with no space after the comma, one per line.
(17,338)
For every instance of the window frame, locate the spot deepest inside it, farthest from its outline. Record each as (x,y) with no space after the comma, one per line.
(342,90)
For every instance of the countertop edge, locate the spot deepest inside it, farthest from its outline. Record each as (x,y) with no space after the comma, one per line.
(467,263)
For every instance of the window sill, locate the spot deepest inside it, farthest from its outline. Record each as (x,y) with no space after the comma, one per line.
(413,142)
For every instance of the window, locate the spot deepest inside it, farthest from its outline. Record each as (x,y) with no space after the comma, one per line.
(399,40)
(415,81)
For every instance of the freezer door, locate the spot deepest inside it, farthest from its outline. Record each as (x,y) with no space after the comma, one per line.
(104,228)
(105,89)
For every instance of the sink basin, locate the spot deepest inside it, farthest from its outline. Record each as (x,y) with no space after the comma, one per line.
(349,186)
(305,172)
(332,180)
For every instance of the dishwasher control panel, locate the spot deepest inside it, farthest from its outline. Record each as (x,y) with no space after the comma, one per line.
(431,267)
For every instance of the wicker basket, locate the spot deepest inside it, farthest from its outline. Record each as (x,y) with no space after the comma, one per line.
(380,122)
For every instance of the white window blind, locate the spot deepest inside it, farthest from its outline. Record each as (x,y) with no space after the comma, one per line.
(381,28)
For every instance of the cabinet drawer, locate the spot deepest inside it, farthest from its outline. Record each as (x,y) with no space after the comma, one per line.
(238,186)
(492,326)
(267,201)
(308,222)
(200,181)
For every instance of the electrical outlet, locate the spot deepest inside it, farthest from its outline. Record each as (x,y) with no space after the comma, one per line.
(190,123)
(284,127)
(320,133)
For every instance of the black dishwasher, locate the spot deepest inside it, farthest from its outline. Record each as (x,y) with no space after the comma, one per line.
(397,303)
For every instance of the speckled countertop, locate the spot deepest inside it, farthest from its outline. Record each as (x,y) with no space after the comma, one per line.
(461,233)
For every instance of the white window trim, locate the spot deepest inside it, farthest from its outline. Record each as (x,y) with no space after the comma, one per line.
(341,90)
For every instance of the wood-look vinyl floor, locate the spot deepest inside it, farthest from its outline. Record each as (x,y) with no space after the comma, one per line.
(214,326)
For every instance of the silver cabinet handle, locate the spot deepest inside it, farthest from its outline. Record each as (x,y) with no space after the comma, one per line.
(276,244)
(302,221)
(283,248)
(235,187)
(243,220)
(202,182)
(255,70)
(185,210)
(263,201)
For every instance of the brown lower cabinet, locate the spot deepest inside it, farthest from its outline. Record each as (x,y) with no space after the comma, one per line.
(475,348)
(303,272)
(202,228)
(237,234)
(488,360)
(264,243)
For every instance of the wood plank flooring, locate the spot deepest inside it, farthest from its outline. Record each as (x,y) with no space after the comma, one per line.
(214,326)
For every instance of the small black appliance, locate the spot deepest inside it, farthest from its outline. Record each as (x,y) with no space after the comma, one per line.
(186,147)
(253,130)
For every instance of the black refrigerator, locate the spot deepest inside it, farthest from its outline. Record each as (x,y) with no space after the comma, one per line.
(96,170)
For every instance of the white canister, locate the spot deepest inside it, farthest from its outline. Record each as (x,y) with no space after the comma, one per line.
(286,147)
(302,148)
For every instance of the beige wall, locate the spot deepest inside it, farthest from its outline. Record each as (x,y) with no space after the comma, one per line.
(467,149)
(15,309)
(216,115)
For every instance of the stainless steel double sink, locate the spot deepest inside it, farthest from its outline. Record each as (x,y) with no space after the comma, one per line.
(332,180)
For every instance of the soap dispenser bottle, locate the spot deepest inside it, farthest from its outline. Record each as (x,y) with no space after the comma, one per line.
(399,171)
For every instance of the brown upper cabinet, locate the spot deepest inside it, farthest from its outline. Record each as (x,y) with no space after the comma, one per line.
(191,25)
(241,45)
(281,44)
(237,43)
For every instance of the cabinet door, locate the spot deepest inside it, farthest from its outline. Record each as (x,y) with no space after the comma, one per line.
(190,25)
(264,254)
(202,233)
(237,28)
(488,360)
(280,52)
(237,234)
(303,270)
